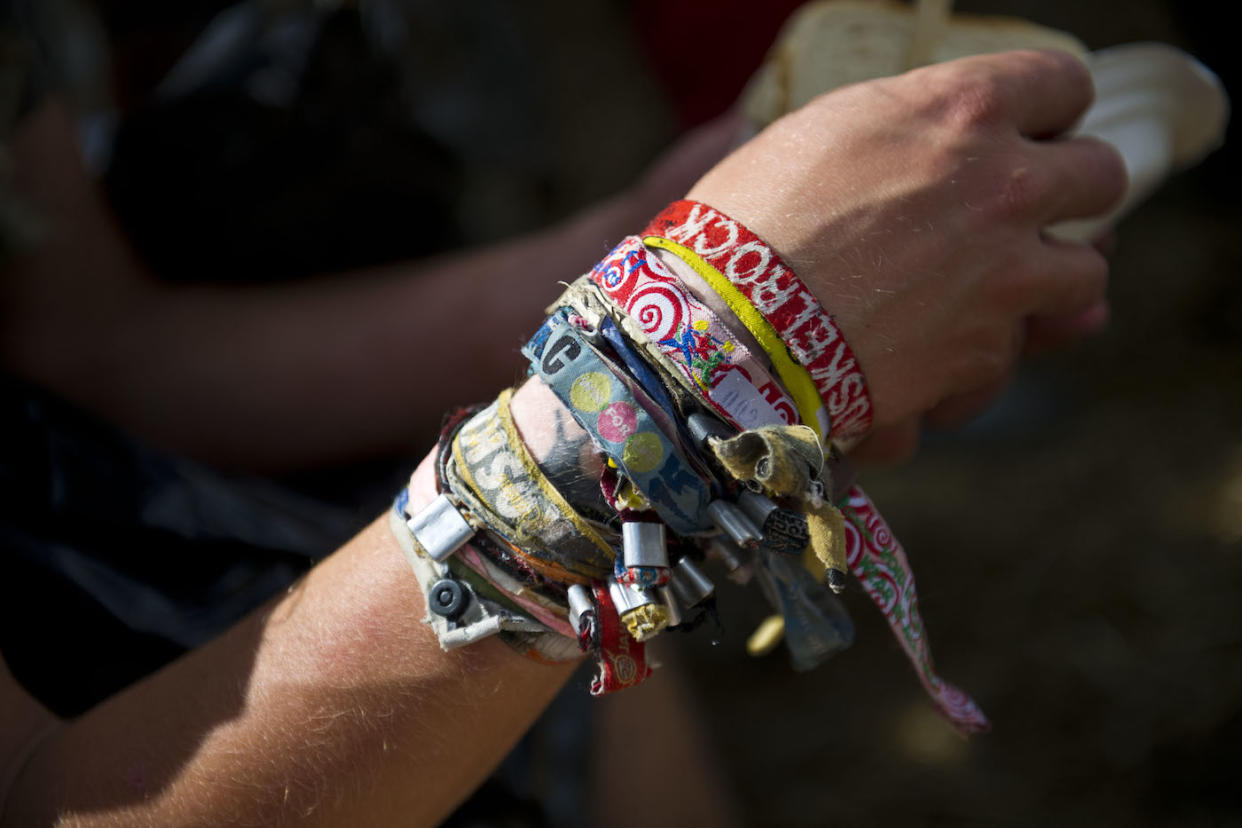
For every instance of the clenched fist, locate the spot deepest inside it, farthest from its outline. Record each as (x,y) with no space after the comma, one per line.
(914,206)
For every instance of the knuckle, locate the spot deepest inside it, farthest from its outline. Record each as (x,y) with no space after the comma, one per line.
(1007,189)
(1068,71)
(1022,189)
(969,99)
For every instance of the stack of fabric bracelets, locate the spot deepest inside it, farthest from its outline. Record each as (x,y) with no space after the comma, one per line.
(709,451)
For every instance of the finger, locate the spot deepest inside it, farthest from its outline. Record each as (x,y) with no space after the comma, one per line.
(1085,177)
(1046,333)
(962,408)
(1106,242)
(1072,277)
(1041,92)
(889,444)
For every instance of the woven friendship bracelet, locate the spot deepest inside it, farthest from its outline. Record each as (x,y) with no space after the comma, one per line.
(817,625)
(522,484)
(606,409)
(723,371)
(622,660)
(758,272)
(638,360)
(522,552)
(484,565)
(795,378)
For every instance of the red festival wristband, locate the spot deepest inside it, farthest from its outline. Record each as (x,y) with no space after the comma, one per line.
(810,333)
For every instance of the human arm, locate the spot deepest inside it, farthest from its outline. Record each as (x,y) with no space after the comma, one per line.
(291,375)
(354,619)
(332,706)
(931,254)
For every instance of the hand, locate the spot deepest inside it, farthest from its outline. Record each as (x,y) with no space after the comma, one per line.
(914,207)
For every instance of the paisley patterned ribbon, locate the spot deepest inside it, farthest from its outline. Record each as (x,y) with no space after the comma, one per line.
(809,331)
(879,563)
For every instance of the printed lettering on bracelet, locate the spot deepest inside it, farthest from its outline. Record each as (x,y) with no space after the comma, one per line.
(491,467)
(726,373)
(607,410)
(755,269)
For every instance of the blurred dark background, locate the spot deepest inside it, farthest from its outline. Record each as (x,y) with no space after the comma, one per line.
(1078,549)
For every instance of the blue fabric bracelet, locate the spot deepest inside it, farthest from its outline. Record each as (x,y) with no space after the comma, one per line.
(619,425)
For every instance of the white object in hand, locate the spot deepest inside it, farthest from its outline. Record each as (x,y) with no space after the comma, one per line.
(1163,111)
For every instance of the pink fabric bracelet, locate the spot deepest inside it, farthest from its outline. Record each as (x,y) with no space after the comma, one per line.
(727,375)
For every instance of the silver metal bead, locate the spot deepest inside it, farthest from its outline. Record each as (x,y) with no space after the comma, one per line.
(627,599)
(701,426)
(689,583)
(756,506)
(579,604)
(728,554)
(733,522)
(667,597)
(440,529)
(643,544)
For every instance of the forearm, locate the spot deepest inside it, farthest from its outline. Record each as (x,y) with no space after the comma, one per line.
(226,730)
(333,706)
(288,376)
(276,376)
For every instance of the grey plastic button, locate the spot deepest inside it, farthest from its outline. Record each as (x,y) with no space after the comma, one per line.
(447,598)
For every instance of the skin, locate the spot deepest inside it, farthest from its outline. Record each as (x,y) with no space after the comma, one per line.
(288,376)
(912,206)
(932,250)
